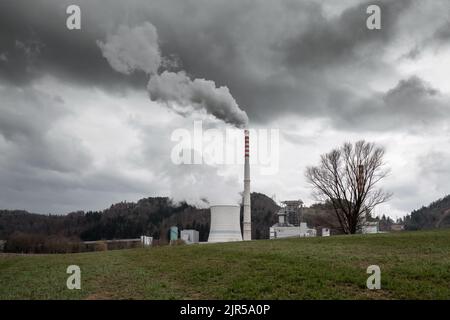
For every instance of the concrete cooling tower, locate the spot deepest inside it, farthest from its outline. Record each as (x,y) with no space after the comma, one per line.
(225,224)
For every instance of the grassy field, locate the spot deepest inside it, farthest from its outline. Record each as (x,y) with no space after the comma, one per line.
(414,265)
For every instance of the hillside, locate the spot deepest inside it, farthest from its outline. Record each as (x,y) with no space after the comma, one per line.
(414,265)
(155,215)
(150,216)
(435,215)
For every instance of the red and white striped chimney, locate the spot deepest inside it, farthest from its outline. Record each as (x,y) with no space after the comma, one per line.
(246,198)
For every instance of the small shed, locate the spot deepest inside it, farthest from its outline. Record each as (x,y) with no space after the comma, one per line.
(173,233)
(189,236)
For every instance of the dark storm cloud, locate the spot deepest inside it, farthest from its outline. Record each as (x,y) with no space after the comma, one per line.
(277,58)
(443,33)
(35,42)
(47,191)
(28,117)
(438,39)
(331,41)
(410,106)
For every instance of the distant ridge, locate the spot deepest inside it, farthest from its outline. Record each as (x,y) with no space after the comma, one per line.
(154,215)
(151,216)
(435,215)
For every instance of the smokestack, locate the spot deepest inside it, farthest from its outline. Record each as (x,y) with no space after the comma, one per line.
(360,178)
(246,200)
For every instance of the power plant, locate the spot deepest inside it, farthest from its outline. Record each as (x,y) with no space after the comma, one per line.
(225,219)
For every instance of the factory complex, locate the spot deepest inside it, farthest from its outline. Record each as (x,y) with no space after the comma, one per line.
(225,223)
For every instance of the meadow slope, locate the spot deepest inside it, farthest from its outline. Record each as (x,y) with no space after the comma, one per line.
(414,265)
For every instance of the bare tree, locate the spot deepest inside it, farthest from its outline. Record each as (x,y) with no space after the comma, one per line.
(347,177)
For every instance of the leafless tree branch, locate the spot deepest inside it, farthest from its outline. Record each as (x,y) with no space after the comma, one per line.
(348,177)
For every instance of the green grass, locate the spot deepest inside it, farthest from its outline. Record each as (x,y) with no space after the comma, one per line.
(414,265)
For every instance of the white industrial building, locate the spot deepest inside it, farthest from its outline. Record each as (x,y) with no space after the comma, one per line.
(146,241)
(288,231)
(290,212)
(370,227)
(189,236)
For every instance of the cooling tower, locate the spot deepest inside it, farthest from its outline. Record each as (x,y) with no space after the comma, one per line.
(225,224)
(246,197)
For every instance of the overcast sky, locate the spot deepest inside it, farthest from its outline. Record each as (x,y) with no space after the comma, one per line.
(86,116)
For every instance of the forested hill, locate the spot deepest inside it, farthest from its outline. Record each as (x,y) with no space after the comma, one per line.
(436,215)
(154,216)
(149,216)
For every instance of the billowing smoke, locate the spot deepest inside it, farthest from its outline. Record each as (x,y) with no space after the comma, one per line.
(133,49)
(210,187)
(181,94)
(137,49)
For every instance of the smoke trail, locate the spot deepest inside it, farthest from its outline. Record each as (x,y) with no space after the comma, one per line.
(133,49)
(181,94)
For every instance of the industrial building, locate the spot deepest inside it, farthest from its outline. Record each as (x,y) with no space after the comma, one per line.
(325,232)
(289,222)
(146,241)
(370,227)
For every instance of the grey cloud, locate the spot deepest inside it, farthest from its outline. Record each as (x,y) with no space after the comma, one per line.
(277,58)
(436,162)
(343,39)
(36,42)
(435,167)
(46,168)
(27,112)
(443,33)
(28,117)
(409,90)
(435,39)
(412,105)
(133,49)
(44,191)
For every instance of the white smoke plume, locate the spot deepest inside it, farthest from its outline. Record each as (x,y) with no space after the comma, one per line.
(181,94)
(210,187)
(133,49)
